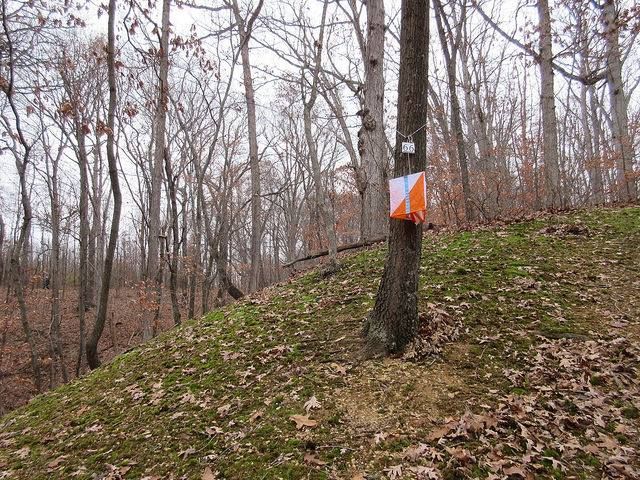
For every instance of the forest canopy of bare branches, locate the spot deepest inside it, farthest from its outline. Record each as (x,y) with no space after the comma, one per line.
(188,150)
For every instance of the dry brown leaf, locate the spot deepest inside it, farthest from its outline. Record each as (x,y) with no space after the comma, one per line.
(312,403)
(413,454)
(393,472)
(303,421)
(224,409)
(313,460)
(379,437)
(53,464)
(22,453)
(515,470)
(440,432)
(207,474)
(187,452)
(426,473)
(341,369)
(256,415)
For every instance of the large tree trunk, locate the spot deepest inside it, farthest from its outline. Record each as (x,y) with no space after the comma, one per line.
(622,142)
(101,315)
(553,193)
(372,142)
(153,276)
(394,320)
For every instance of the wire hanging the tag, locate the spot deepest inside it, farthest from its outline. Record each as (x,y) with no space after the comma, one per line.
(410,141)
(408,146)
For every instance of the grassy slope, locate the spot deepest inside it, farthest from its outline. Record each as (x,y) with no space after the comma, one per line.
(541,380)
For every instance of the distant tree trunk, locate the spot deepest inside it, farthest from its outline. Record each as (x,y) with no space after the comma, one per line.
(175,240)
(86,285)
(316,172)
(245,31)
(153,276)
(623,145)
(394,320)
(553,193)
(335,104)
(222,258)
(591,161)
(597,135)
(196,255)
(95,251)
(55,267)
(19,252)
(372,141)
(450,55)
(101,315)
(1,250)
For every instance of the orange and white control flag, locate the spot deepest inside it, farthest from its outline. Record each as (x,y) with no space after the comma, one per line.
(408,197)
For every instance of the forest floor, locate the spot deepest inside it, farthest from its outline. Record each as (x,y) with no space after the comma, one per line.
(528,368)
(122,331)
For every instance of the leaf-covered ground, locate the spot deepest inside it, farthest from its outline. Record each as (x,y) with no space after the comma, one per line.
(528,369)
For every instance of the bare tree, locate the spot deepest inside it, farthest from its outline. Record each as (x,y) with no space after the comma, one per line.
(450,43)
(245,30)
(21,150)
(309,101)
(622,142)
(101,315)
(371,137)
(553,192)
(153,272)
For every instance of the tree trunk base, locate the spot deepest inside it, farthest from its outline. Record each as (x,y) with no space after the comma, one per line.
(330,269)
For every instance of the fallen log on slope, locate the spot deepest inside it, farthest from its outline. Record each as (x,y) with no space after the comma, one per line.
(342,248)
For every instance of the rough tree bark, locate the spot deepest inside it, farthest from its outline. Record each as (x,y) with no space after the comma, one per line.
(101,315)
(394,320)
(371,137)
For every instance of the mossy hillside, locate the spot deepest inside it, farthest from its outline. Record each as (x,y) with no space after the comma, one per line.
(216,395)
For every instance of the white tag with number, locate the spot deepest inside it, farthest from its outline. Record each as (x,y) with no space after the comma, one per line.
(408,147)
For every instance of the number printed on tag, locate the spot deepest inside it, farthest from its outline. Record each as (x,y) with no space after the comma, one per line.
(408,147)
